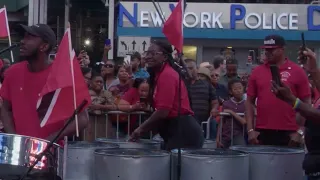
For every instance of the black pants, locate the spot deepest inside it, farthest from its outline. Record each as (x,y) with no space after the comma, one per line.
(183,132)
(274,137)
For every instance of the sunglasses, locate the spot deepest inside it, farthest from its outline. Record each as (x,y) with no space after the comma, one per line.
(108,65)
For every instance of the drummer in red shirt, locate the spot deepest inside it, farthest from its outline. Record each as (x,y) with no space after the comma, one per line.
(23,83)
(183,131)
(276,122)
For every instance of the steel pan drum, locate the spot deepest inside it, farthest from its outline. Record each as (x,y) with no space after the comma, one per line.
(209,144)
(18,152)
(276,163)
(132,164)
(214,164)
(141,144)
(80,159)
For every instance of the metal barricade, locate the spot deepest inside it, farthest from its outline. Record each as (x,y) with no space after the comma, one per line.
(117,124)
(222,115)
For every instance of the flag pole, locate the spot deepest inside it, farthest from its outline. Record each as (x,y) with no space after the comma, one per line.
(73,83)
(8,30)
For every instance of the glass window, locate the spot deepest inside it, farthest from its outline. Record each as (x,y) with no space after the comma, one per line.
(190,52)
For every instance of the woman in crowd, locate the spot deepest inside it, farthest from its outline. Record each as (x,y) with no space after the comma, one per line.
(177,131)
(124,83)
(311,163)
(102,101)
(109,74)
(135,99)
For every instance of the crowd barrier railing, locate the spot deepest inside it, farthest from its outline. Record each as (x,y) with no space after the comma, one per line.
(140,114)
(223,115)
(107,122)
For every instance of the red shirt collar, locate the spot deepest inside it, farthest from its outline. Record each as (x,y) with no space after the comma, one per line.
(285,65)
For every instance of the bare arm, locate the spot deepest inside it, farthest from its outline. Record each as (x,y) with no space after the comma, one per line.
(249,115)
(124,106)
(215,104)
(315,74)
(309,113)
(299,118)
(7,118)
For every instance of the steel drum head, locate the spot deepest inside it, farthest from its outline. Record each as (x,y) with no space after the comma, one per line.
(119,141)
(17,153)
(215,153)
(130,152)
(267,149)
(84,144)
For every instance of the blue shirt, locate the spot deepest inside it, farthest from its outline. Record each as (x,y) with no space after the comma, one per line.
(141,73)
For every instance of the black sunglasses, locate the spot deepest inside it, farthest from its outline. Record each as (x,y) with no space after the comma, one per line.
(108,65)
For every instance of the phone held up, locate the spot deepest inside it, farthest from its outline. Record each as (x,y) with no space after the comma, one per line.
(303,60)
(143,100)
(275,74)
(107,42)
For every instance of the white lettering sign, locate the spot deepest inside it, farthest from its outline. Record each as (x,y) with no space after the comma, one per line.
(283,21)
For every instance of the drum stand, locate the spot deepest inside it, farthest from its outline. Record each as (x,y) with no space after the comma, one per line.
(47,150)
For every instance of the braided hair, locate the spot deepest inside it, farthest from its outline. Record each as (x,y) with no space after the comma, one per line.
(166,49)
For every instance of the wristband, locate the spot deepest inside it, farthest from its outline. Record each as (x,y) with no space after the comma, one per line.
(296,104)
(250,130)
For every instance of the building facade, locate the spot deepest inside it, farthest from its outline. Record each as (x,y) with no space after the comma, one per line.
(224,28)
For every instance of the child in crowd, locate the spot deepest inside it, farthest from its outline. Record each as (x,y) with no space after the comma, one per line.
(233,125)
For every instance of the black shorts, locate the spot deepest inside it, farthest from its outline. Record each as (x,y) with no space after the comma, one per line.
(183,132)
(274,137)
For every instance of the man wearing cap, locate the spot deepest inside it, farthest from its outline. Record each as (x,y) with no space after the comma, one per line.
(23,84)
(232,72)
(276,120)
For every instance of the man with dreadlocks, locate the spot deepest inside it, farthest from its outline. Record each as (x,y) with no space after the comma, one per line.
(177,131)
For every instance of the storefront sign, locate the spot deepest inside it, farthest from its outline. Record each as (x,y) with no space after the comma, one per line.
(224,16)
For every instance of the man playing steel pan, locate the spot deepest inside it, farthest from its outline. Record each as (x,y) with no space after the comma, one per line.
(23,83)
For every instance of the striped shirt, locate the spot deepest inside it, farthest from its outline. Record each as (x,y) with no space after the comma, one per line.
(202,93)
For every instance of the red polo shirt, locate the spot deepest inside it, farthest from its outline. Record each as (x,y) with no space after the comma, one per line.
(166,93)
(273,113)
(22,88)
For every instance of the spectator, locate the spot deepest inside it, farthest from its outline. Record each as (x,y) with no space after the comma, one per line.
(124,83)
(232,72)
(204,74)
(203,98)
(109,72)
(132,100)
(83,59)
(221,91)
(102,101)
(135,69)
(233,106)
(86,72)
(276,121)
(219,64)
(207,65)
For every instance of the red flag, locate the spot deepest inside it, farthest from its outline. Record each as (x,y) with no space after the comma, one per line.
(173,27)
(60,82)
(4,28)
